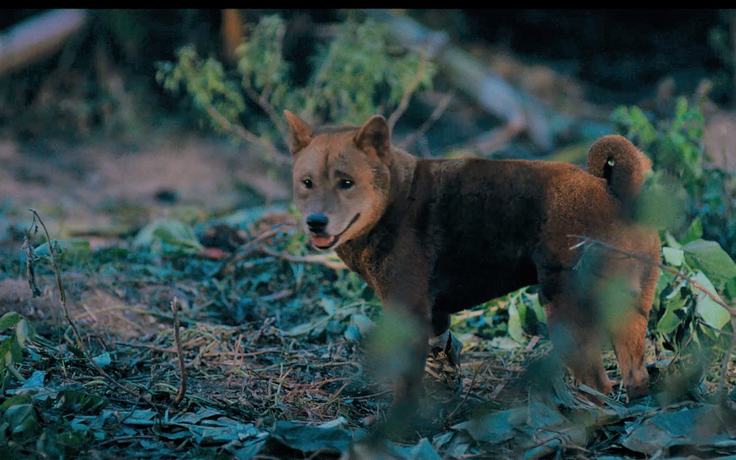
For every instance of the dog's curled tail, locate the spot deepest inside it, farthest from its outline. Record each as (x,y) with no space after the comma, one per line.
(615,159)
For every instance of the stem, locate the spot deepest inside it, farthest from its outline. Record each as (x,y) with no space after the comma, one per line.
(62,298)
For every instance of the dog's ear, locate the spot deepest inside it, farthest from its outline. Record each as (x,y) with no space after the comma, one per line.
(300,133)
(374,134)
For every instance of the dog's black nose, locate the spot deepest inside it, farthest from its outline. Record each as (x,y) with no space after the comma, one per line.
(317,222)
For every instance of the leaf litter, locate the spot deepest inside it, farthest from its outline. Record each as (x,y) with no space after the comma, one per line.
(270,336)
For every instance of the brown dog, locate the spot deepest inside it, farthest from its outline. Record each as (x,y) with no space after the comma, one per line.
(434,237)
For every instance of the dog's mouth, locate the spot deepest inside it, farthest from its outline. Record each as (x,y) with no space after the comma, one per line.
(327,242)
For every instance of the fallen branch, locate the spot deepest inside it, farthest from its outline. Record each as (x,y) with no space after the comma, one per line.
(62,298)
(180,353)
(491,92)
(38,37)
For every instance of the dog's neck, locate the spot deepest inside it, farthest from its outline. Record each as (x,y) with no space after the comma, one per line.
(358,252)
(403,167)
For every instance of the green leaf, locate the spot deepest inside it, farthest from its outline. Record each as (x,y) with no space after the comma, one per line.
(670,320)
(362,322)
(694,232)
(15,400)
(103,360)
(75,401)
(15,350)
(9,320)
(165,235)
(672,256)
(22,420)
(69,247)
(515,330)
(23,331)
(709,257)
(708,309)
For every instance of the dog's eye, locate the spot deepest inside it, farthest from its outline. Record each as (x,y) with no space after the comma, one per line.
(346,184)
(308,183)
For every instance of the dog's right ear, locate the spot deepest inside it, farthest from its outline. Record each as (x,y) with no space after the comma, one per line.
(375,135)
(300,133)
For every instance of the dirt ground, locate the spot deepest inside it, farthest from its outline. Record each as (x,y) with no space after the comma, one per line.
(240,361)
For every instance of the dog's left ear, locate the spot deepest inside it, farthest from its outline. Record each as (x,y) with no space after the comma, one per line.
(300,133)
(374,134)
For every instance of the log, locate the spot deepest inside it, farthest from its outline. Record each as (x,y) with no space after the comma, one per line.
(521,112)
(38,37)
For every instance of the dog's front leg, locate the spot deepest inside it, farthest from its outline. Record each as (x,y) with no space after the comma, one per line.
(408,317)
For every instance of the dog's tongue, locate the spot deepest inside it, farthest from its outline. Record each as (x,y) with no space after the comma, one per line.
(322,241)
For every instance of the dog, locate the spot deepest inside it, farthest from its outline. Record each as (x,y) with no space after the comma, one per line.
(436,236)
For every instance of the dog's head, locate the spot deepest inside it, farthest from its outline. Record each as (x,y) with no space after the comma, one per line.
(341,178)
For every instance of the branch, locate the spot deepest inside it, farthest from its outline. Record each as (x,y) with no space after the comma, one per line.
(436,114)
(408,92)
(180,353)
(695,284)
(246,249)
(246,135)
(324,259)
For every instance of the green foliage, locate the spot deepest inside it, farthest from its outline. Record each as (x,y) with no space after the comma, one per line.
(683,185)
(690,199)
(683,313)
(11,346)
(204,81)
(24,433)
(168,236)
(354,67)
(358,74)
(515,315)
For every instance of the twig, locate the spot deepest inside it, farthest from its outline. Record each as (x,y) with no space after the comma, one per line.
(262,98)
(470,388)
(62,298)
(30,256)
(180,352)
(436,114)
(649,261)
(155,314)
(247,135)
(324,259)
(246,249)
(408,92)
(262,101)
(147,347)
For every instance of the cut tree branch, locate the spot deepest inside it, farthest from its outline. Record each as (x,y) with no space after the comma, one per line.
(38,37)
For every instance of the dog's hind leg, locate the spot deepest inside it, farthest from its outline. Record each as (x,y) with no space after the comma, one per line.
(629,338)
(574,330)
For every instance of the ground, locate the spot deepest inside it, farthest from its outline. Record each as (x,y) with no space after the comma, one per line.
(269,329)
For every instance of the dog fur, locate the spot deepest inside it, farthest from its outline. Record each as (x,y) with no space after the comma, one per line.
(434,237)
